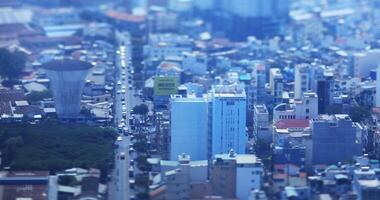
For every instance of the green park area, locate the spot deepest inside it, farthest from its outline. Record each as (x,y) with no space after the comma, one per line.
(55,147)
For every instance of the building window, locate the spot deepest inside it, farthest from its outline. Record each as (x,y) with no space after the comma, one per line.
(307,110)
(253,181)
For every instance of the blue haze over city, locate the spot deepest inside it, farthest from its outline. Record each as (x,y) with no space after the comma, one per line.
(189,99)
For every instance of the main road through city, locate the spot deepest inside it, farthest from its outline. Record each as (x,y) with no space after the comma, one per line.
(124,101)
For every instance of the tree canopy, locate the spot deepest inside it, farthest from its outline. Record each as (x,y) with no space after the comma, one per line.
(55,147)
(141,109)
(38,96)
(11,63)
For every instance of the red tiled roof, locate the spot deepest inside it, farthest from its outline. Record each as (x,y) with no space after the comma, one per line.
(292,123)
(125,16)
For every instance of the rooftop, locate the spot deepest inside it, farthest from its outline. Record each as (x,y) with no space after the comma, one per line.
(67,65)
(292,123)
(261,108)
(240,158)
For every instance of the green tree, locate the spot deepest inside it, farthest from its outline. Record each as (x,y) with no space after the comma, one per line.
(38,96)
(143,164)
(11,63)
(359,113)
(141,109)
(142,196)
(142,180)
(11,146)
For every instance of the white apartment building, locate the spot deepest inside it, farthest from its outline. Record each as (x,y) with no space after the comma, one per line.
(305,108)
(276,82)
(301,80)
(261,128)
(188,127)
(228,119)
(378,86)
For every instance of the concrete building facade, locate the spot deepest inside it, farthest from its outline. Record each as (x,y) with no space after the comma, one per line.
(189,123)
(305,108)
(236,175)
(67,78)
(276,83)
(301,80)
(228,119)
(334,139)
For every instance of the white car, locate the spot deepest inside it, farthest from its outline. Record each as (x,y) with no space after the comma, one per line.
(119,83)
(119,139)
(123,91)
(122,156)
(118,92)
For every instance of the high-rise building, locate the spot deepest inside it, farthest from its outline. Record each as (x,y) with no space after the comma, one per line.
(378,86)
(334,139)
(324,91)
(301,80)
(228,119)
(258,81)
(276,83)
(67,78)
(261,129)
(236,175)
(188,125)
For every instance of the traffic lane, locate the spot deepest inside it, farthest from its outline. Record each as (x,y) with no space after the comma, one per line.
(121,175)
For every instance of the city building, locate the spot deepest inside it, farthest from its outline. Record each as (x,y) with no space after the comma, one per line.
(67,78)
(366,183)
(305,108)
(334,139)
(236,175)
(36,185)
(195,62)
(377,104)
(261,126)
(258,81)
(276,83)
(188,125)
(301,80)
(290,140)
(163,45)
(324,90)
(228,119)
(364,62)
(180,179)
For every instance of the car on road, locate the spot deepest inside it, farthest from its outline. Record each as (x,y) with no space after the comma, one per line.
(122,156)
(123,91)
(118,92)
(119,139)
(125,133)
(119,83)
